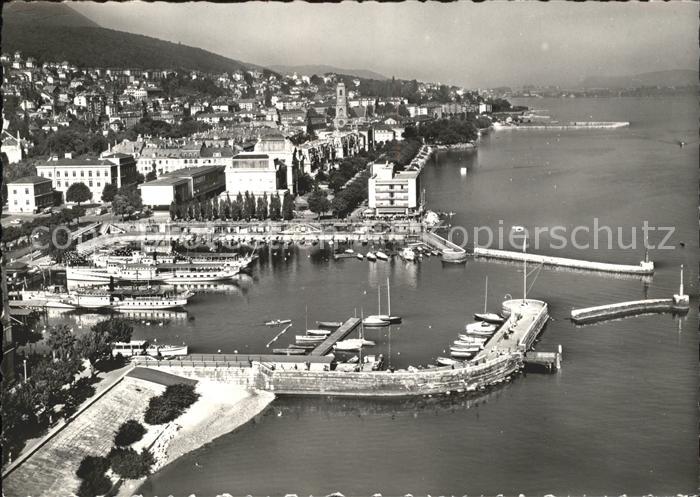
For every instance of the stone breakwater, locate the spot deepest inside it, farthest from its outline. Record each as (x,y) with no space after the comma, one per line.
(566,126)
(620,309)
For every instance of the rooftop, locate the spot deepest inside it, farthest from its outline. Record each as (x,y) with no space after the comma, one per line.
(29,180)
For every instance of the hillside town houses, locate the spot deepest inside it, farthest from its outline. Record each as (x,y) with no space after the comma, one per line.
(243,130)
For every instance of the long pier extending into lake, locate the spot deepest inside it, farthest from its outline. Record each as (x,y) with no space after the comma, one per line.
(643,268)
(631,308)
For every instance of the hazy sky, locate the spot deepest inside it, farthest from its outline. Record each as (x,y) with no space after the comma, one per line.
(463,43)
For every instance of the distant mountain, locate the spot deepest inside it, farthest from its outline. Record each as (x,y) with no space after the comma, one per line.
(46,14)
(309,70)
(51,31)
(680,77)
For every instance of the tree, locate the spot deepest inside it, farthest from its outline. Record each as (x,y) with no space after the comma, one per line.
(61,341)
(115,330)
(128,463)
(93,346)
(121,206)
(304,183)
(129,432)
(318,202)
(108,192)
(173,211)
(287,207)
(92,473)
(261,208)
(78,192)
(275,207)
(151,176)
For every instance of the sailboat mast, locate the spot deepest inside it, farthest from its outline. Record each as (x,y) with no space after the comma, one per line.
(379,299)
(486,294)
(524,273)
(388,296)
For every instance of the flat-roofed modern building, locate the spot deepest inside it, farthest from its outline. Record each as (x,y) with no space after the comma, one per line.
(117,169)
(391,192)
(255,173)
(183,185)
(29,194)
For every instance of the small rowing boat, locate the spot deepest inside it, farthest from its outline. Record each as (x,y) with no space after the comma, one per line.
(321,333)
(309,339)
(278,322)
(446,361)
(489,317)
(289,351)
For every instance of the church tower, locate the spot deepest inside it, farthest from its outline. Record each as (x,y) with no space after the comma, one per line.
(341,106)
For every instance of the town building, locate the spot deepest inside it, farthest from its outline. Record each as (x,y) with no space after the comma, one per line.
(12,147)
(117,169)
(256,173)
(192,183)
(29,195)
(394,192)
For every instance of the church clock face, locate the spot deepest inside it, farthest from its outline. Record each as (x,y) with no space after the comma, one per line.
(341,122)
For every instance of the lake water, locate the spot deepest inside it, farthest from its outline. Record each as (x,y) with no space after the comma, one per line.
(621,415)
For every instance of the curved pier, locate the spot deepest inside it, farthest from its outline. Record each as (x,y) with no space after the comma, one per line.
(631,308)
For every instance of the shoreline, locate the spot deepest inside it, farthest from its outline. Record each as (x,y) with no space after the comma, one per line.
(221,409)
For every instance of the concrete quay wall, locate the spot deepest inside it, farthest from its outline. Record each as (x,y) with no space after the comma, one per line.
(643,268)
(388,384)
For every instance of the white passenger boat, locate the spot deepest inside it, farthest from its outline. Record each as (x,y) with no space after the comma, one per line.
(126,301)
(142,347)
(172,273)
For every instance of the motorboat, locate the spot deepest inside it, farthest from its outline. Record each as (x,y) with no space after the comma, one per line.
(467,343)
(371,257)
(489,317)
(329,324)
(481,326)
(349,251)
(308,346)
(408,254)
(322,333)
(309,338)
(278,322)
(156,350)
(446,361)
(360,256)
(381,255)
(353,344)
(376,321)
(461,355)
(472,338)
(289,351)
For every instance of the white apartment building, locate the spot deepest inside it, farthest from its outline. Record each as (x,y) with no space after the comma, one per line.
(392,192)
(117,169)
(254,173)
(30,194)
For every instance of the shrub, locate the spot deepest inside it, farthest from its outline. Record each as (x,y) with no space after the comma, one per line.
(92,472)
(129,432)
(91,466)
(168,406)
(128,463)
(99,485)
